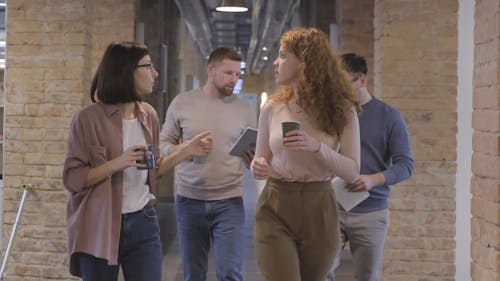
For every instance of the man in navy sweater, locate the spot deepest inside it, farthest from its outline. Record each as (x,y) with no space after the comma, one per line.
(385,160)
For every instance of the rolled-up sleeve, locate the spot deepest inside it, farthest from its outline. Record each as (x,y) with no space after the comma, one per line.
(77,162)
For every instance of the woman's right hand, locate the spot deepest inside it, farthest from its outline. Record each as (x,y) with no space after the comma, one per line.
(120,163)
(129,158)
(260,168)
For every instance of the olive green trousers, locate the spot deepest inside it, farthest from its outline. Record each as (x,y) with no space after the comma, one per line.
(296,230)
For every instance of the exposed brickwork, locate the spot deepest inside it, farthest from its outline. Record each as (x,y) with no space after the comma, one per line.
(53,48)
(415,63)
(357,31)
(485,205)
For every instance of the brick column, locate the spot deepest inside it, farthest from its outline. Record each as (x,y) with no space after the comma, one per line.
(486,143)
(357,31)
(416,72)
(53,48)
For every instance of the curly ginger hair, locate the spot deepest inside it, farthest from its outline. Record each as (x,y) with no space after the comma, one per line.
(324,90)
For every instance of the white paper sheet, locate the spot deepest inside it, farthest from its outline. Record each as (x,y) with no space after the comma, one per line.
(347,199)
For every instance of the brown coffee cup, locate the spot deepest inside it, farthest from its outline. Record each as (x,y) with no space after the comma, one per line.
(288,126)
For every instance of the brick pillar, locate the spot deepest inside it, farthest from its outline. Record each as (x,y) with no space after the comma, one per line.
(486,143)
(53,48)
(357,31)
(416,72)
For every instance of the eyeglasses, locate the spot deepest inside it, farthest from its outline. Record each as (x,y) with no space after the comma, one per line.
(356,76)
(150,65)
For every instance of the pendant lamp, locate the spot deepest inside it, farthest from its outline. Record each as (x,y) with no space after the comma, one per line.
(232,6)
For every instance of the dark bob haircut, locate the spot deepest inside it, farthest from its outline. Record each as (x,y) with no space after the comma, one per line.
(114,79)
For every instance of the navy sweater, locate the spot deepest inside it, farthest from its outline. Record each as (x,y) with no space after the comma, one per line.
(385,147)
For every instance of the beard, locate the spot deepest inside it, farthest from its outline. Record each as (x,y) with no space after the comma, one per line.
(225,91)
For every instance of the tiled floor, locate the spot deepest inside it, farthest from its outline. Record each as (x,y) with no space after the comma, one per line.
(172,268)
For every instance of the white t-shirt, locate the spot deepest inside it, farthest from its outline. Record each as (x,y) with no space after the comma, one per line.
(135,189)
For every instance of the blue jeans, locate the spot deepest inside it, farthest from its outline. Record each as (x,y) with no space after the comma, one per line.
(201,222)
(139,254)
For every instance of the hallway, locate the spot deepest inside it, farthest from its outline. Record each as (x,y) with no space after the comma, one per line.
(172,267)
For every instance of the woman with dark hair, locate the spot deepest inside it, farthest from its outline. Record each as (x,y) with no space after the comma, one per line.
(111,218)
(296,220)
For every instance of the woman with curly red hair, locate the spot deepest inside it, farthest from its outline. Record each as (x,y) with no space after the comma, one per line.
(296,220)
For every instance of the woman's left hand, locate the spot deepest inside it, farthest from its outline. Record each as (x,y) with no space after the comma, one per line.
(248,157)
(300,140)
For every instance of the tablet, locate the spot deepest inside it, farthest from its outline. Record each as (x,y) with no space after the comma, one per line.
(246,141)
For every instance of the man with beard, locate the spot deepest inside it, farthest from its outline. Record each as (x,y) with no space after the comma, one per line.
(209,202)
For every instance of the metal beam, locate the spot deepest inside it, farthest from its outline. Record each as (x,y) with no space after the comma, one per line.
(196,20)
(269,30)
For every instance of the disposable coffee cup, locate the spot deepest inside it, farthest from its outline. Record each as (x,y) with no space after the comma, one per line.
(149,157)
(289,126)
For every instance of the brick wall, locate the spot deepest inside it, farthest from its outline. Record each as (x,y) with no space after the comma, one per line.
(415,61)
(53,48)
(357,32)
(485,246)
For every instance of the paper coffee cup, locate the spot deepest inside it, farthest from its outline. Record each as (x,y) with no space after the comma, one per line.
(289,126)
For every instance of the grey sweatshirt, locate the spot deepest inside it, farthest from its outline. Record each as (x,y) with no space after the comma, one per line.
(193,112)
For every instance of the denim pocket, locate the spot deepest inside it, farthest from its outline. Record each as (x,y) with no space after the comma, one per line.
(181,199)
(150,212)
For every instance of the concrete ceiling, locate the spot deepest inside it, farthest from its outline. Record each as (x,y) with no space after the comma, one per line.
(254,33)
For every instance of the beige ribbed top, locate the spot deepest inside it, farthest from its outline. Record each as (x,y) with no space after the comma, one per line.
(336,156)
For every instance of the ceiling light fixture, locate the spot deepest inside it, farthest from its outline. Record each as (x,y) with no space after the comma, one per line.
(232,6)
